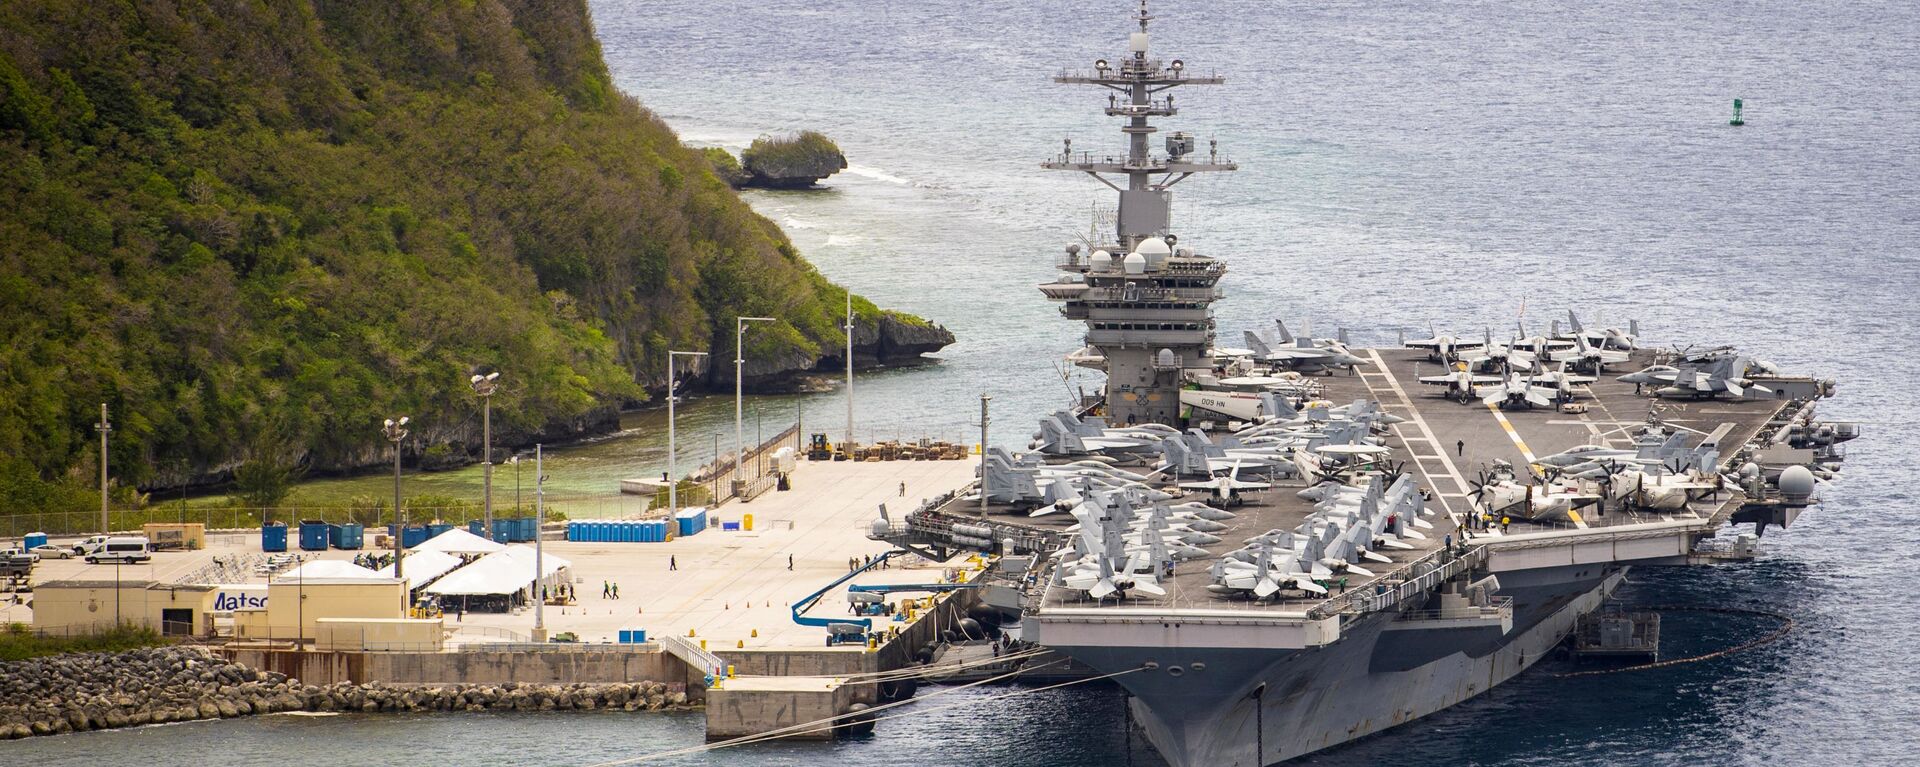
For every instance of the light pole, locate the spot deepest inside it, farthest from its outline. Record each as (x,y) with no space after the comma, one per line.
(849,439)
(539,565)
(396,431)
(105,427)
(484,385)
(673,443)
(984,399)
(739,367)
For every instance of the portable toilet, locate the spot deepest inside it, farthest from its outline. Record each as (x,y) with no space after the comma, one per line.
(690,521)
(313,535)
(273,537)
(633,636)
(34,540)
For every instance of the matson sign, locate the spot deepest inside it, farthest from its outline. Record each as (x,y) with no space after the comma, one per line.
(228,599)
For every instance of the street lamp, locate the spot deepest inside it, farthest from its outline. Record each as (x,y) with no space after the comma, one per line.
(105,427)
(739,367)
(484,385)
(396,431)
(673,472)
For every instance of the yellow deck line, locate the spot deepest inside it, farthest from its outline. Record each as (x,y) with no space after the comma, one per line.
(1527,453)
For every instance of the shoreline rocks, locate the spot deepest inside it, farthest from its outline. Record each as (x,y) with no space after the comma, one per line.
(97,691)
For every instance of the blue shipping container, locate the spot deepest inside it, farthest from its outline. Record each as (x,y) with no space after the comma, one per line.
(313,535)
(633,636)
(273,537)
(477,527)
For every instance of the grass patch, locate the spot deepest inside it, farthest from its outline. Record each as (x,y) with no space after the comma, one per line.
(19,642)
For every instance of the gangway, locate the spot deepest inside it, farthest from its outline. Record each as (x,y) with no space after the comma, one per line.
(836,626)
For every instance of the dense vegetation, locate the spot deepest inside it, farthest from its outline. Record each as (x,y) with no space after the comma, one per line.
(792,161)
(18,642)
(256,229)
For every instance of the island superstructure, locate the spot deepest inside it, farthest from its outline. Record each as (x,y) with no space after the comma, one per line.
(1145,298)
(1273,562)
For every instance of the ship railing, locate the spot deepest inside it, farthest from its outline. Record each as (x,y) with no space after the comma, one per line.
(1501,607)
(1391,589)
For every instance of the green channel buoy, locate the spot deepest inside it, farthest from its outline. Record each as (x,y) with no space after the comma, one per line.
(1736,121)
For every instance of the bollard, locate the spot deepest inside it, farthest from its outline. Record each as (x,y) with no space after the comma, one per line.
(703,644)
(689,632)
(740,644)
(756,633)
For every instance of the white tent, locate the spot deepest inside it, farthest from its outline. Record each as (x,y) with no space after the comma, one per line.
(422,567)
(458,541)
(331,571)
(506,572)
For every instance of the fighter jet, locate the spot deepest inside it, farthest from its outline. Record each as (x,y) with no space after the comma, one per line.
(1304,355)
(1501,357)
(1225,487)
(1606,338)
(1459,385)
(1701,378)
(1585,356)
(1517,392)
(1442,347)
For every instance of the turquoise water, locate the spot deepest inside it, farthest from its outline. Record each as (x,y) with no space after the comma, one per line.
(1403,164)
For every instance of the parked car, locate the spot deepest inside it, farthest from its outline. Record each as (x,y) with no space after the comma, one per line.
(50,551)
(90,545)
(15,563)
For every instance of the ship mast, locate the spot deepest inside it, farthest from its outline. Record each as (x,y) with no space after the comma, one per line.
(1146,302)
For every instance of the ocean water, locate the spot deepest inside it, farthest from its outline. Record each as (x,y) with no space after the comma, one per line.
(1404,166)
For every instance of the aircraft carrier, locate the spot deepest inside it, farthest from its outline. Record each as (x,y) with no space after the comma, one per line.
(1284,544)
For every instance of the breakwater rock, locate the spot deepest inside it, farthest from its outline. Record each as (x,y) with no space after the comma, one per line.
(97,691)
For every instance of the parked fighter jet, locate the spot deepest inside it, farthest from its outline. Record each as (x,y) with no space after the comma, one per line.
(1585,356)
(1516,391)
(1606,338)
(1501,357)
(1442,347)
(1226,487)
(1459,385)
(1702,378)
(1303,354)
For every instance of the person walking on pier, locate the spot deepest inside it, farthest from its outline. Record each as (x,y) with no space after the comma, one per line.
(903,490)
(789,562)
(616,591)
(606,589)
(1460,447)
(673,562)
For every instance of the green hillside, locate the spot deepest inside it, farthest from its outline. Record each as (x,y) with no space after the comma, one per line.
(254,229)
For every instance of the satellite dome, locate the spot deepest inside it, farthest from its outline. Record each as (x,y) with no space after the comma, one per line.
(1796,483)
(1101,261)
(1166,358)
(1135,263)
(1152,246)
(877,528)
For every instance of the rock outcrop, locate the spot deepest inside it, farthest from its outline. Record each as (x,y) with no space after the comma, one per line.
(97,691)
(791,162)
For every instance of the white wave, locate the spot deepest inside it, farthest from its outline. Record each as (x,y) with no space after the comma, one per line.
(794,223)
(843,239)
(876,174)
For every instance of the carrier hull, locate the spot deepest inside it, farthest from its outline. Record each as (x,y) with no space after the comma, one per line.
(1253,707)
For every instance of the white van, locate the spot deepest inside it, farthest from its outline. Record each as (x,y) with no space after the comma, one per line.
(129,550)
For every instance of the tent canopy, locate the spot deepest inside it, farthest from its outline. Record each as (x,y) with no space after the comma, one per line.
(505,572)
(421,567)
(458,541)
(331,571)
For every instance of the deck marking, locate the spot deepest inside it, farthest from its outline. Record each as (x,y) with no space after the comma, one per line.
(1511,433)
(1420,422)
